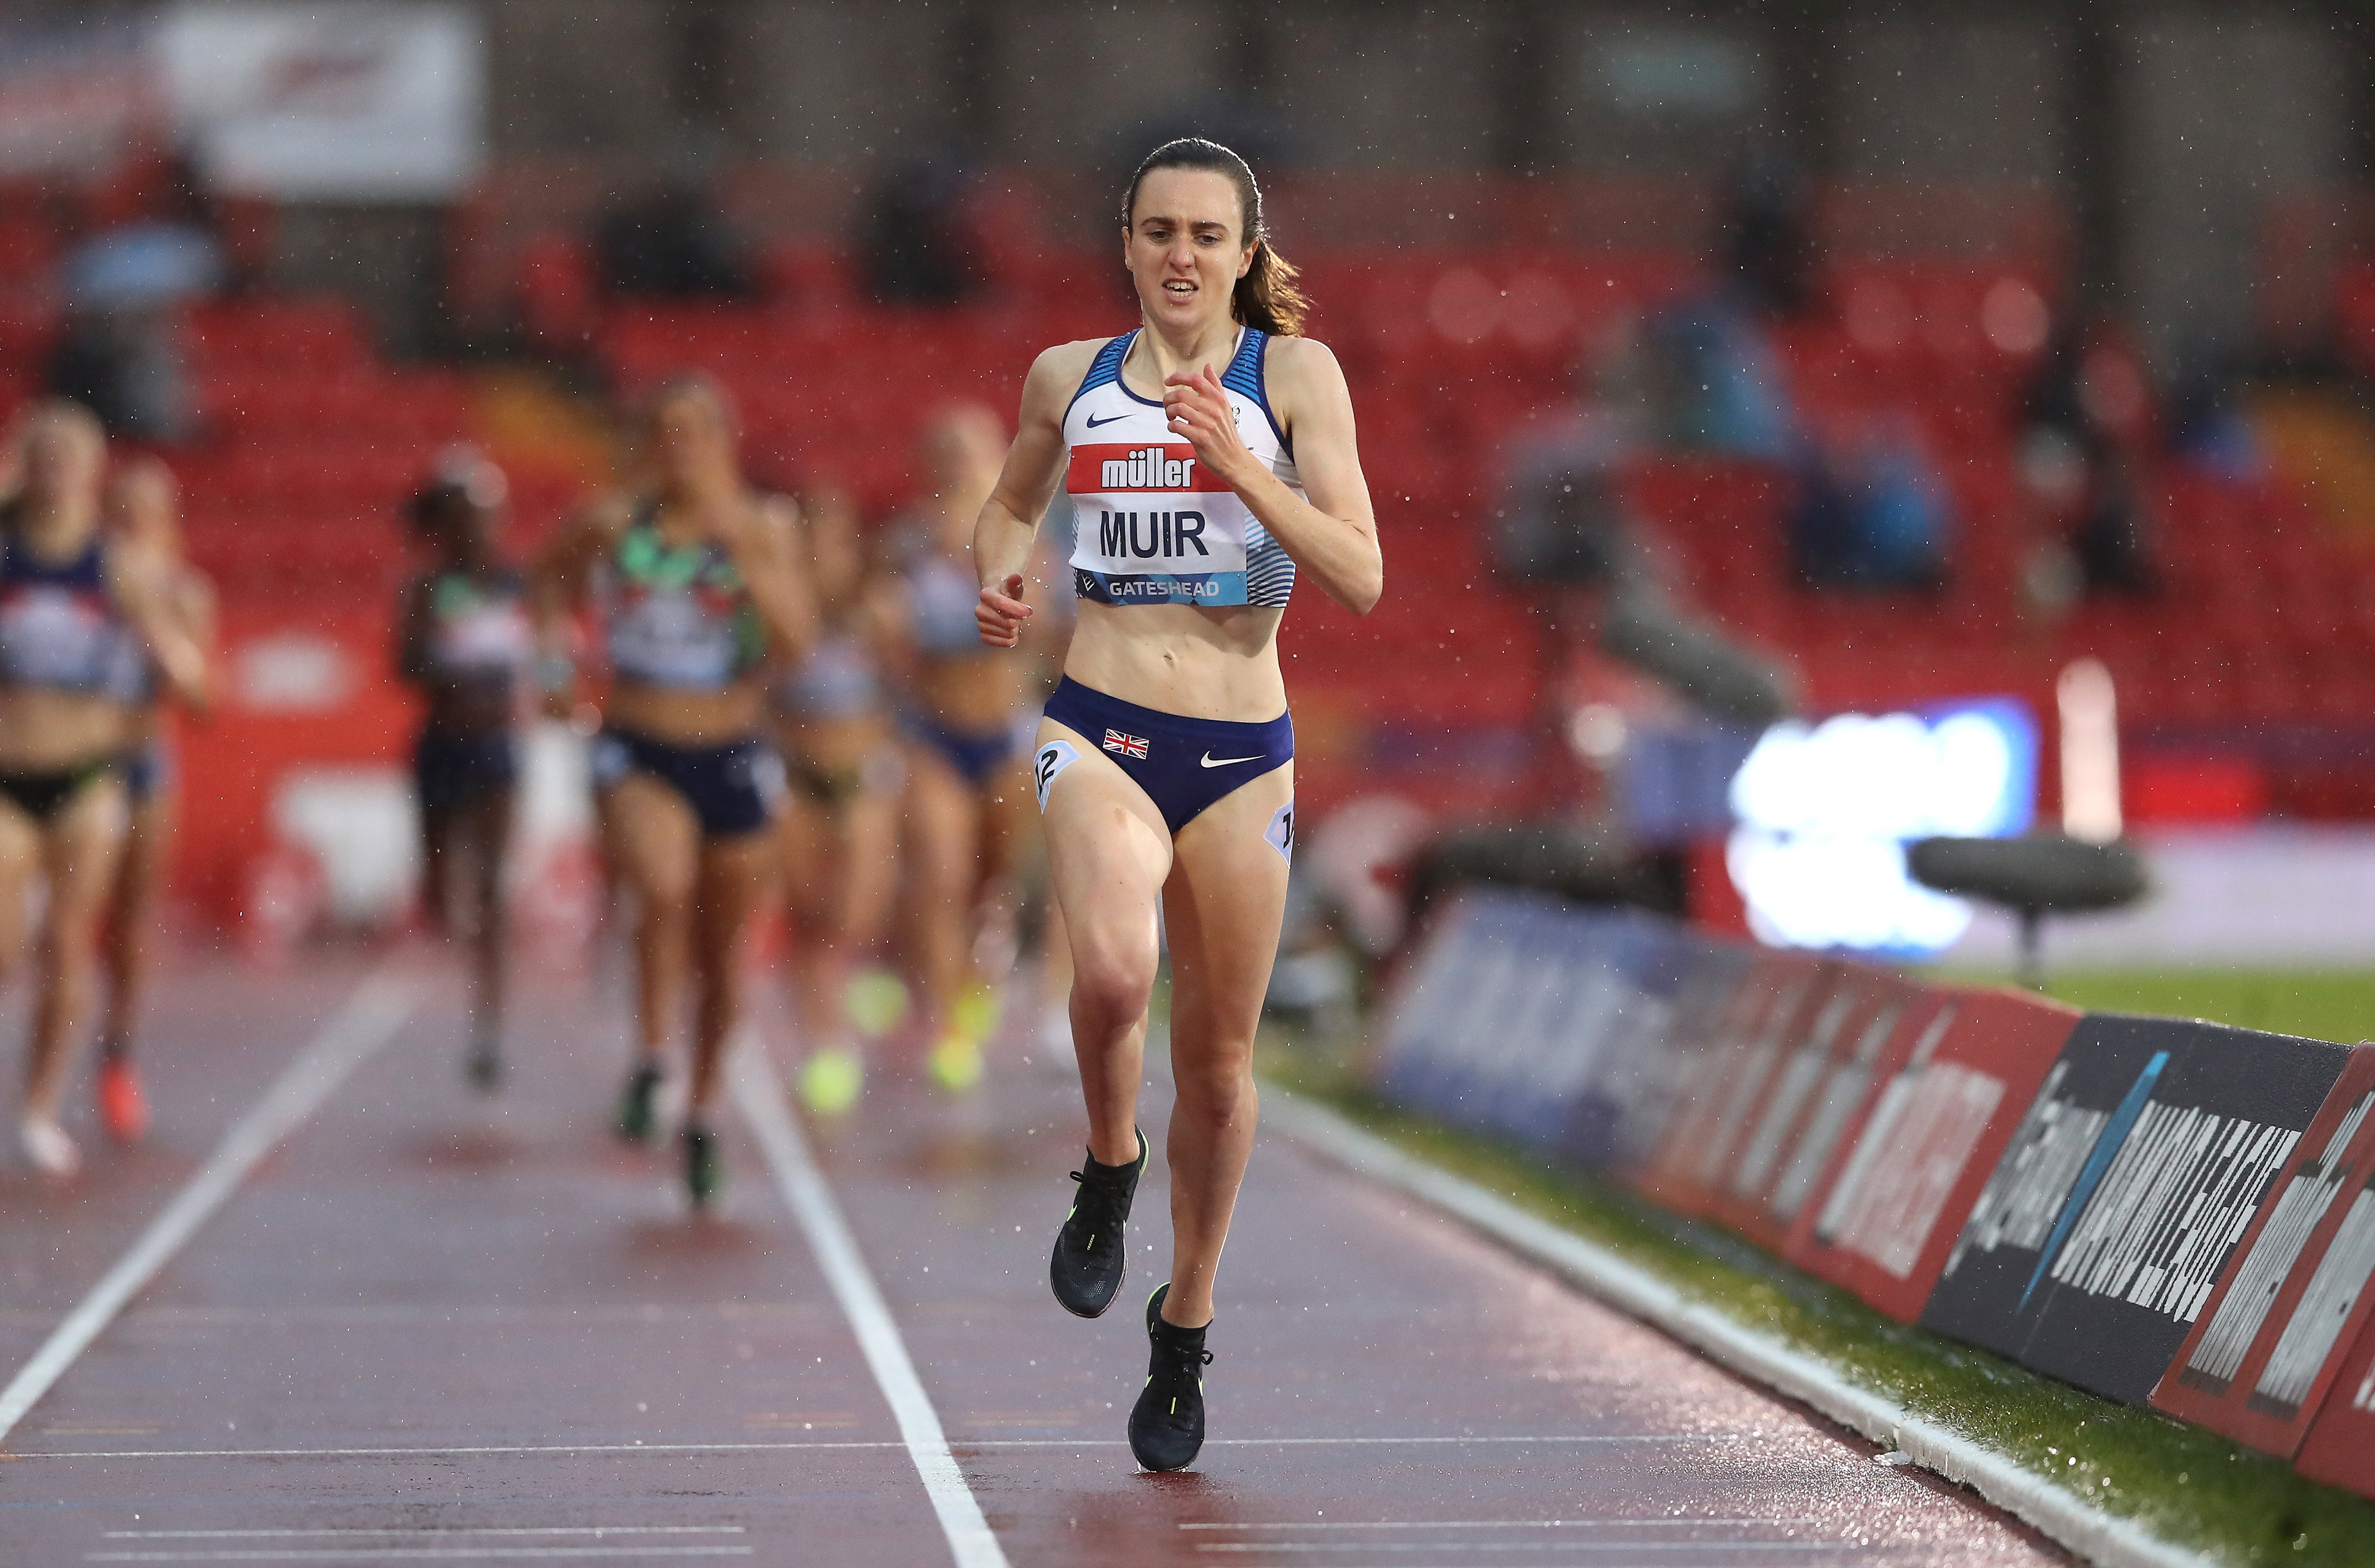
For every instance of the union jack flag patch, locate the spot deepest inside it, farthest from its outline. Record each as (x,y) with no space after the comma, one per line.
(1126,745)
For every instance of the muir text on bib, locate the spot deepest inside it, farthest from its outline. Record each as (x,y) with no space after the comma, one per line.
(1152,529)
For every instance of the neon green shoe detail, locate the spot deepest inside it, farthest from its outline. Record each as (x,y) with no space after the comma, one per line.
(956,1062)
(876,1001)
(832,1081)
(976,1012)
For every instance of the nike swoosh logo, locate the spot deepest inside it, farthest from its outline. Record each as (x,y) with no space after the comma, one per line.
(1094,421)
(1213,762)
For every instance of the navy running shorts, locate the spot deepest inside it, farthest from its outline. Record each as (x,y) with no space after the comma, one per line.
(451,770)
(733,789)
(1184,765)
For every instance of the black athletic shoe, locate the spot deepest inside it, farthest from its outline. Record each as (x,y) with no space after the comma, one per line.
(1167,1425)
(1087,1266)
(484,1064)
(703,1175)
(638,1104)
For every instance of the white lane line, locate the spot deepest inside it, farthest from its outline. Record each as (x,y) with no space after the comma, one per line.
(434,1530)
(534,1450)
(761,1095)
(1747,1545)
(412,1553)
(1488,1523)
(361,1027)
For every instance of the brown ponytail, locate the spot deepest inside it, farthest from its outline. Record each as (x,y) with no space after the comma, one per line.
(1266,296)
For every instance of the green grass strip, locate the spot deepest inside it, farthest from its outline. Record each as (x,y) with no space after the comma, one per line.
(2182,1482)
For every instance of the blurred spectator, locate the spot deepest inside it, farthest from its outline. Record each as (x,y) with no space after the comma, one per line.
(2086,431)
(2207,429)
(1715,383)
(671,242)
(1769,249)
(124,285)
(1870,511)
(919,245)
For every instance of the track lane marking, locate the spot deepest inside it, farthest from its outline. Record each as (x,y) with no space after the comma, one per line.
(1486,1523)
(413,1554)
(337,1531)
(370,1018)
(759,1094)
(534,1450)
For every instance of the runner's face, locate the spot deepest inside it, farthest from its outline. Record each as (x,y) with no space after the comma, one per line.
(1186,247)
(689,444)
(62,461)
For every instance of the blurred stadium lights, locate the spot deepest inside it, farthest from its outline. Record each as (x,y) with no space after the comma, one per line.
(1826,811)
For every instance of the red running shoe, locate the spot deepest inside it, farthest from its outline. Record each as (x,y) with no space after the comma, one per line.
(122,1106)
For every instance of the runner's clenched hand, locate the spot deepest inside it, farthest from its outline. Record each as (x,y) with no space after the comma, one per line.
(1001,612)
(1195,406)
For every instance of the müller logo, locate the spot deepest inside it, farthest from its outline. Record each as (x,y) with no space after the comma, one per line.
(1118,467)
(1148,469)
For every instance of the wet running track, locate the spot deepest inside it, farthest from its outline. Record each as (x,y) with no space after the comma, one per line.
(431,1328)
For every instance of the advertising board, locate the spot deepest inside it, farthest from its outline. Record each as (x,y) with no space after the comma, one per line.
(1910,1164)
(2270,1339)
(2122,1193)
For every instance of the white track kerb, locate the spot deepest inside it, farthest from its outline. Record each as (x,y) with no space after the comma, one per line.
(760,1093)
(2053,1509)
(368,1021)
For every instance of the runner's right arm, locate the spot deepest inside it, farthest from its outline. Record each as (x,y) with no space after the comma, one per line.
(1003,534)
(556,582)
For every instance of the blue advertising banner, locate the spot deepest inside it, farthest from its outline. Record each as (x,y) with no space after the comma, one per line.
(1513,1008)
(2113,1210)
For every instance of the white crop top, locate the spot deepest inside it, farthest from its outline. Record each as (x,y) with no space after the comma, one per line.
(1150,526)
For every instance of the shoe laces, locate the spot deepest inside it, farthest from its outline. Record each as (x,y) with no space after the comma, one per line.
(1179,1363)
(1098,1212)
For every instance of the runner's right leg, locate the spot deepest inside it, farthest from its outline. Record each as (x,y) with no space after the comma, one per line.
(79,846)
(654,841)
(1108,853)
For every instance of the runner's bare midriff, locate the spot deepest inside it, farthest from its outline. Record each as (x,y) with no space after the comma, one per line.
(686,718)
(969,692)
(1197,663)
(46,730)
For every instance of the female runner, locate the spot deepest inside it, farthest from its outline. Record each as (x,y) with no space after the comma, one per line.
(968,741)
(140,512)
(693,582)
(76,608)
(1209,457)
(464,637)
(841,818)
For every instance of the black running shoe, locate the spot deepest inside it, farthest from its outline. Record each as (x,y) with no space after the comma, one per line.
(638,1104)
(485,1065)
(1167,1425)
(1087,1266)
(704,1174)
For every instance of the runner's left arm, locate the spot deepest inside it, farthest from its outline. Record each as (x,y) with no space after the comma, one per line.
(140,578)
(1333,537)
(765,549)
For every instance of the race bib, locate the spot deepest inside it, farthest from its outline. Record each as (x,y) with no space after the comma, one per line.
(1280,835)
(1151,527)
(1053,759)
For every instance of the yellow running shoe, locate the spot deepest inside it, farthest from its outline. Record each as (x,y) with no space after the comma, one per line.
(876,1002)
(831,1080)
(956,1062)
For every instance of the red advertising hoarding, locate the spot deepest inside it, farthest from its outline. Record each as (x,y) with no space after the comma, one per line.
(1882,1219)
(2271,1337)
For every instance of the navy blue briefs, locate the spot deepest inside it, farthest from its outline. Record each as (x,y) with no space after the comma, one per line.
(975,756)
(1184,765)
(733,789)
(450,771)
